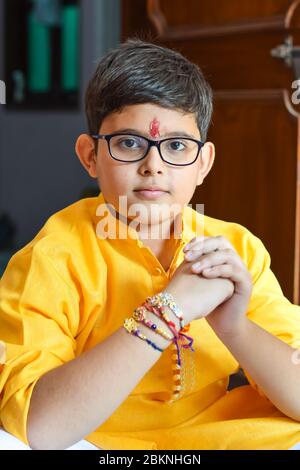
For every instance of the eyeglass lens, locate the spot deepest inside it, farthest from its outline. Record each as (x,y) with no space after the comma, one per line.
(173,150)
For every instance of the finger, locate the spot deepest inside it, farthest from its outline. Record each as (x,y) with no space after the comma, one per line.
(218,258)
(194,240)
(208,244)
(238,276)
(207,260)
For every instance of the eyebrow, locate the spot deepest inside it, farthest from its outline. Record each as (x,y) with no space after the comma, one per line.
(168,134)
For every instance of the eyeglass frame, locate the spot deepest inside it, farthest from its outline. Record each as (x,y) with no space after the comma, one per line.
(151,143)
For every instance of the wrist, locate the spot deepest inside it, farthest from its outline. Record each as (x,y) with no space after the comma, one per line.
(180,304)
(229,333)
(156,337)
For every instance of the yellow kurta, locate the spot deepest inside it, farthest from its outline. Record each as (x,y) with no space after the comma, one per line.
(68,289)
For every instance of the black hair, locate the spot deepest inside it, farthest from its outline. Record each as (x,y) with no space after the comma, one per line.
(142,72)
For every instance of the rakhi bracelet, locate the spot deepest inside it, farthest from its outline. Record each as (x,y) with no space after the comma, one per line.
(188,345)
(178,336)
(131,326)
(162,314)
(165,299)
(139,315)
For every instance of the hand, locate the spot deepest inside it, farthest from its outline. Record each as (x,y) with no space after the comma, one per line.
(213,258)
(195,295)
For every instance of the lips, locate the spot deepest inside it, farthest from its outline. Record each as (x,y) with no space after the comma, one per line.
(152,192)
(151,188)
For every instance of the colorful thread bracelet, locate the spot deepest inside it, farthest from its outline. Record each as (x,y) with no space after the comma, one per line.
(157,304)
(178,336)
(163,315)
(139,315)
(165,299)
(132,327)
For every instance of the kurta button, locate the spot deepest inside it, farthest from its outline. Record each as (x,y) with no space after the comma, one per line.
(158,271)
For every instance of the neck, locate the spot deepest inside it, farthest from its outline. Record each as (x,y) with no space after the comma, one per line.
(161,237)
(164,245)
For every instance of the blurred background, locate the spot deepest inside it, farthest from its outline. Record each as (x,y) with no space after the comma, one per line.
(249,51)
(48,51)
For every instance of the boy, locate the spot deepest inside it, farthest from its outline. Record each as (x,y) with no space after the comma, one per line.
(70,369)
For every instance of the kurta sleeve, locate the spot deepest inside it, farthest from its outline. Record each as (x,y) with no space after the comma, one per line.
(39,316)
(268,306)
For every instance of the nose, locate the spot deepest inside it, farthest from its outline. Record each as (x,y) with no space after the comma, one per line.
(152,162)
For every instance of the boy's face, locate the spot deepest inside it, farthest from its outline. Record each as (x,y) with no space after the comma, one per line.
(117,178)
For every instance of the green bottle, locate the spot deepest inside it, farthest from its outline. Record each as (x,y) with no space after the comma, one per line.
(70,48)
(39,56)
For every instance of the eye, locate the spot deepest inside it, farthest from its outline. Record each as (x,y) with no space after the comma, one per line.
(177,145)
(128,143)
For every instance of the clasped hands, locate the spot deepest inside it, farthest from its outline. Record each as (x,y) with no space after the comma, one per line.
(213,257)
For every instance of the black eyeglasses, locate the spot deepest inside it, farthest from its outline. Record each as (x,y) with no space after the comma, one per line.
(129,148)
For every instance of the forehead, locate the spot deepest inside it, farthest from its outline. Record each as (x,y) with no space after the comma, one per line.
(144,116)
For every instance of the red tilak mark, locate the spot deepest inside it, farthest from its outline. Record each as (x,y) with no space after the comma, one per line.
(154,128)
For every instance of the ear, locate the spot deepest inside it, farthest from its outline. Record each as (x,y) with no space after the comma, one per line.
(207,157)
(85,150)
